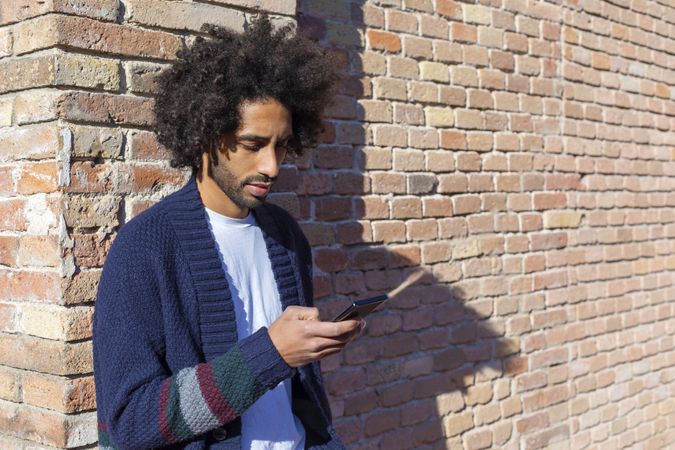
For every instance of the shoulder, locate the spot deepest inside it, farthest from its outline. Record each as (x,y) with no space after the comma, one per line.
(150,229)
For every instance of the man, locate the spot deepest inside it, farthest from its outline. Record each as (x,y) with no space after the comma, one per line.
(205,334)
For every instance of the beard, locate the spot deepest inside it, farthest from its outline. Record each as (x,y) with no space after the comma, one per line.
(234,188)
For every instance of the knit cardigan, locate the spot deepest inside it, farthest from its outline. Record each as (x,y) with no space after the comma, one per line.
(169,369)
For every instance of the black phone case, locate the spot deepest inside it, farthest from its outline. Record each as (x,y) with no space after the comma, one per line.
(361,308)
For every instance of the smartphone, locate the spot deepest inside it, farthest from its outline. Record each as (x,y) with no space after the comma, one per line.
(361,308)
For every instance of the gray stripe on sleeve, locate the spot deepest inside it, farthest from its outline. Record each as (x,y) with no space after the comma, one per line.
(193,407)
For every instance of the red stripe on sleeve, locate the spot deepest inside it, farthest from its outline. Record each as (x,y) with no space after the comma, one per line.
(163,402)
(215,400)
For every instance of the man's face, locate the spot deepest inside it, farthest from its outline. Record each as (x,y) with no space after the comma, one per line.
(249,159)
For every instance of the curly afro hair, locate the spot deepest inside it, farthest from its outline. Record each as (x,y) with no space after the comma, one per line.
(201,93)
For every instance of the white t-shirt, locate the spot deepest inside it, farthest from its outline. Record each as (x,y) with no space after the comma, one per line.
(269,424)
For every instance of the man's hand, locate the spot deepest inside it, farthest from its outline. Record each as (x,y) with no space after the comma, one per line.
(301,338)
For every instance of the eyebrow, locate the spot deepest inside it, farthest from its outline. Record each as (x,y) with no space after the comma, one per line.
(254,137)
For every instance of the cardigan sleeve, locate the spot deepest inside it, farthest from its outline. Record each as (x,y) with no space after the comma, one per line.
(140,402)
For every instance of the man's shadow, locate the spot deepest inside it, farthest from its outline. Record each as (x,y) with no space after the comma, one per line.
(430,351)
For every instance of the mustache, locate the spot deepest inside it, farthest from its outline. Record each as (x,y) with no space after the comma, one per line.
(258,179)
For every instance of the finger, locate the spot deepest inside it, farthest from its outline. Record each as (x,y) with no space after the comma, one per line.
(305,313)
(333,329)
(311,314)
(328,352)
(320,344)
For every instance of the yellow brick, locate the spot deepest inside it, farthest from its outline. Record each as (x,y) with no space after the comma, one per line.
(6,106)
(449,403)
(601,61)
(455,424)
(501,433)
(490,37)
(662,90)
(10,383)
(561,219)
(466,249)
(56,322)
(85,71)
(477,14)
(439,117)
(58,393)
(434,71)
(479,394)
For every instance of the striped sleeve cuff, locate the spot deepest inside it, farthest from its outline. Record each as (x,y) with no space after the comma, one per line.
(264,360)
(198,399)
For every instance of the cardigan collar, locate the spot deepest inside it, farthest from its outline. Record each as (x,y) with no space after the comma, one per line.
(217,320)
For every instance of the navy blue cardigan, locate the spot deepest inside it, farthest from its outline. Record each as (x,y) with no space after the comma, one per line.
(168,367)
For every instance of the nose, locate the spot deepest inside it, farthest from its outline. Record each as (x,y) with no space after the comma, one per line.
(269,161)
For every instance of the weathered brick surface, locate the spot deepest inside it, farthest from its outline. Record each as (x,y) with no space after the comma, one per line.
(182,15)
(88,34)
(22,10)
(541,127)
(59,70)
(519,152)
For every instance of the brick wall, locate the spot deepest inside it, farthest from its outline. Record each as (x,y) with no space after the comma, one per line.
(521,152)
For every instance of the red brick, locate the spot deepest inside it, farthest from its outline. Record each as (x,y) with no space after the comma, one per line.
(401,21)
(415,47)
(60,394)
(144,146)
(106,109)
(449,9)
(463,33)
(345,381)
(362,402)
(146,178)
(382,40)
(422,229)
(92,35)
(353,233)
(546,397)
(437,206)
(502,60)
(12,215)
(331,209)
(45,355)
(388,183)
(372,207)
(544,201)
(404,256)
(381,422)
(389,231)
(453,139)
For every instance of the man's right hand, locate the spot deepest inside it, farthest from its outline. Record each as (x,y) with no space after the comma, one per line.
(301,338)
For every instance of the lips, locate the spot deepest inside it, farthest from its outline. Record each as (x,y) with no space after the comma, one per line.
(258,190)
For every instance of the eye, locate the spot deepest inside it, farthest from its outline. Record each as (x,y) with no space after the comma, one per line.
(251,147)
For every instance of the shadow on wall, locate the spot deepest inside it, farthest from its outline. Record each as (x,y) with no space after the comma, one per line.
(433,349)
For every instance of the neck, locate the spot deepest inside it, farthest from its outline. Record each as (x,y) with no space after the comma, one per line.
(213,197)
